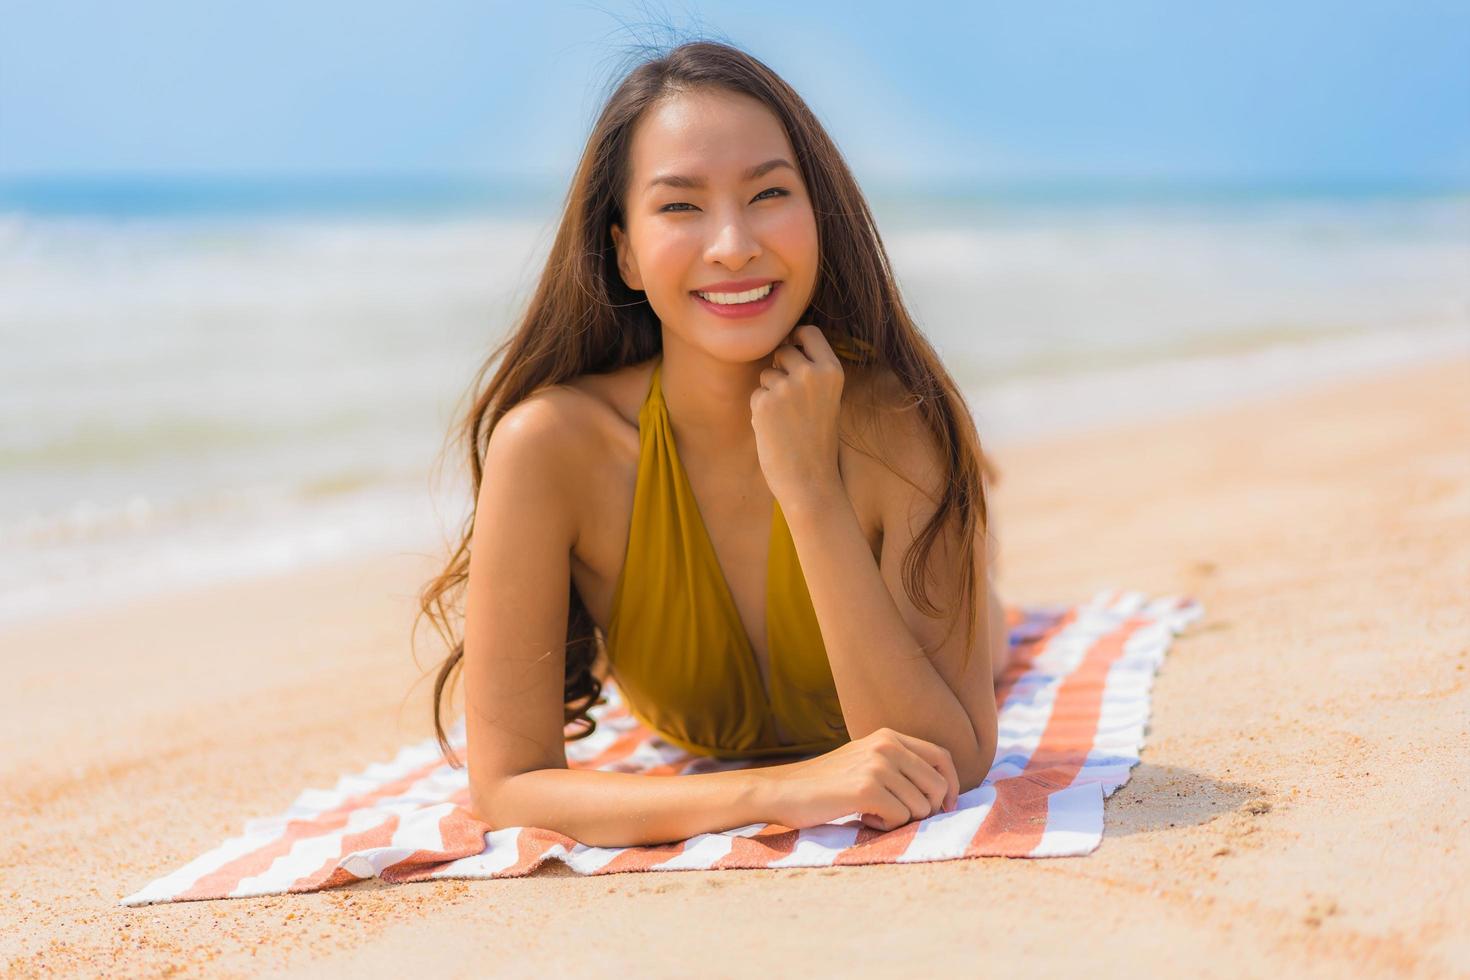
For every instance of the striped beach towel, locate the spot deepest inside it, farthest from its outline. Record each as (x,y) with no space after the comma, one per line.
(1074,705)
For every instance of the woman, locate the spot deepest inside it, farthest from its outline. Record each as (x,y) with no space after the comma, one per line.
(717,451)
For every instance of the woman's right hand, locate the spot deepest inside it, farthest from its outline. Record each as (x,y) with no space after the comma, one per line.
(886,776)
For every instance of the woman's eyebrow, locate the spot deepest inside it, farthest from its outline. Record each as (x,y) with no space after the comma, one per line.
(676,180)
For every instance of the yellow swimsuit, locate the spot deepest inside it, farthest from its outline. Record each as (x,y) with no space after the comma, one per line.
(675,643)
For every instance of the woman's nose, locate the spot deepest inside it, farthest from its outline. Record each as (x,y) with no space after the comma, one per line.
(733,244)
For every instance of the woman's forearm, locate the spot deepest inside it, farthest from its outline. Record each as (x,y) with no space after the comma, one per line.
(621,809)
(880,670)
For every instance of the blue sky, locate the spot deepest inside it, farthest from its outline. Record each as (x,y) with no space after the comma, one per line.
(1346,90)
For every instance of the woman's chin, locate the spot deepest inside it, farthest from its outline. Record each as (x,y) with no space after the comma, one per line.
(735,342)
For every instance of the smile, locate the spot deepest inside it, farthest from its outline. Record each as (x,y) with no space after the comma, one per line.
(751,302)
(731,299)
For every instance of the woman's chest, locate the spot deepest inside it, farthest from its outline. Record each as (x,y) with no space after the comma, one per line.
(734,511)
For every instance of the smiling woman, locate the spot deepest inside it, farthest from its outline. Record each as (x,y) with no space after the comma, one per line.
(718,452)
(704,214)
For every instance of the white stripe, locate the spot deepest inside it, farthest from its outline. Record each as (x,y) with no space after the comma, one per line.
(305,856)
(418,830)
(818,847)
(1028,707)
(1129,603)
(313,803)
(501,852)
(1075,815)
(1074,818)
(701,851)
(590,860)
(1072,826)
(652,751)
(309,853)
(1125,709)
(262,833)
(173,885)
(748,830)
(946,835)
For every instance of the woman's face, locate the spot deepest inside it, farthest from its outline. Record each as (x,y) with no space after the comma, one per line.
(715,204)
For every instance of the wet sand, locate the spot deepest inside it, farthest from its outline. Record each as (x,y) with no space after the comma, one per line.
(1300,809)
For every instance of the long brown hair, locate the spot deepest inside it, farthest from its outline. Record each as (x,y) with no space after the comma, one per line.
(583,319)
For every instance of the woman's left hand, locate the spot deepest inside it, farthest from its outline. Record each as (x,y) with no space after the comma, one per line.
(794,413)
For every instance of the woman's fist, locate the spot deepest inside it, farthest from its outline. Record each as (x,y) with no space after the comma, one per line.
(795,414)
(888,777)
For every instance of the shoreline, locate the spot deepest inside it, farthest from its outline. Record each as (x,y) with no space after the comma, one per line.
(1309,719)
(399,521)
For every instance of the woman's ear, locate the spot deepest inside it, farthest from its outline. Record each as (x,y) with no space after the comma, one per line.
(627,264)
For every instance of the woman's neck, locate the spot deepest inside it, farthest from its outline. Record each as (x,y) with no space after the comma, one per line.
(708,401)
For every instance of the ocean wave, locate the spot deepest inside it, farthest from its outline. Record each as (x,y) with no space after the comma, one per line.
(186,395)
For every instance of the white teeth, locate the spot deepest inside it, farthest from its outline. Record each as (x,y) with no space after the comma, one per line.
(729,299)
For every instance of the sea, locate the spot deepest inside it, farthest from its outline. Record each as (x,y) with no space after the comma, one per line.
(209,379)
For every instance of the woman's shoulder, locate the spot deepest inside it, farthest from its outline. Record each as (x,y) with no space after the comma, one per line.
(873,399)
(894,448)
(612,397)
(578,435)
(874,382)
(587,402)
(584,421)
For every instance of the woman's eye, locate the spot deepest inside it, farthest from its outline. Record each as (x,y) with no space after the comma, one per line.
(780,191)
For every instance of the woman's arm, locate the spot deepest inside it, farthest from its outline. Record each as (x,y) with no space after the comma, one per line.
(515,657)
(621,809)
(885,664)
(514,669)
(893,665)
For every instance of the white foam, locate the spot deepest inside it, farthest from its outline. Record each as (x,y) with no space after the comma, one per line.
(1020,410)
(191,401)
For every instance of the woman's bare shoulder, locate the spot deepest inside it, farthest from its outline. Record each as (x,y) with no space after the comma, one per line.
(582,410)
(872,395)
(615,396)
(577,438)
(584,429)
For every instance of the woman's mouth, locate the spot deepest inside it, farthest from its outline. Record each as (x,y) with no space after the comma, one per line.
(751,302)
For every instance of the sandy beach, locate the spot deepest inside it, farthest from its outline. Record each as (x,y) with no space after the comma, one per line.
(1300,809)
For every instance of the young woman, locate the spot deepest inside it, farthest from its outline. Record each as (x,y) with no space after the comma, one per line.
(718,461)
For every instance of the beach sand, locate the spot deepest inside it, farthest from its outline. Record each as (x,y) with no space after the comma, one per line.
(1300,809)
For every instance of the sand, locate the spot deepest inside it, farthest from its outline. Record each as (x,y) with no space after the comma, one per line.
(1301,807)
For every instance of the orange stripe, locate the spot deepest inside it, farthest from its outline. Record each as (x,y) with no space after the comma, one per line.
(874,846)
(771,843)
(223,880)
(329,875)
(1024,655)
(674,768)
(462,834)
(625,745)
(531,844)
(1017,819)
(642,858)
